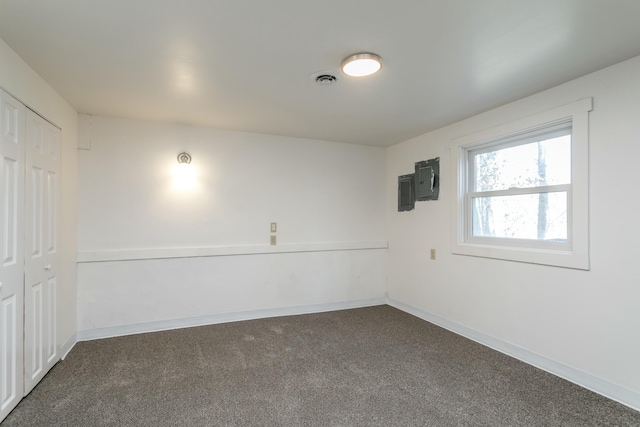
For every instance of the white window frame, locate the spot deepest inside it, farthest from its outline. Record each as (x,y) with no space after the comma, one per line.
(572,254)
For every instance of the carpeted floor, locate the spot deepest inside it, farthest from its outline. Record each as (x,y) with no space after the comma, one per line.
(372,366)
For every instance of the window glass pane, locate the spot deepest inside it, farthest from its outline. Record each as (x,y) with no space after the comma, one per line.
(535,164)
(541,216)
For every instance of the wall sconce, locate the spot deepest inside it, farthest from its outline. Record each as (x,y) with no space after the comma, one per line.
(184,174)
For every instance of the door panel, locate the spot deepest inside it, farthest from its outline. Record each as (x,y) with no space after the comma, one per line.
(10,345)
(35,219)
(52,212)
(41,263)
(12,186)
(11,171)
(35,312)
(51,351)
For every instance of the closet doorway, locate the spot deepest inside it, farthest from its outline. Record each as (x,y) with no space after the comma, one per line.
(29,197)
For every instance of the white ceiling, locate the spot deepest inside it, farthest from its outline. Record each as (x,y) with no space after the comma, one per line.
(247,64)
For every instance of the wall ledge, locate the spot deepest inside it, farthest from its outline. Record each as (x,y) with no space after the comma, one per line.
(598,385)
(212,251)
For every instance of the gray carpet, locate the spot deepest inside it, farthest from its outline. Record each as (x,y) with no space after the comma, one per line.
(373,366)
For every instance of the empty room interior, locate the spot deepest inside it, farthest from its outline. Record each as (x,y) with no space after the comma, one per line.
(208,218)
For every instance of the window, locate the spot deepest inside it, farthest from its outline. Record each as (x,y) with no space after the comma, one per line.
(522,189)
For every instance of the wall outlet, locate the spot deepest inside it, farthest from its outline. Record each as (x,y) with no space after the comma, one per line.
(274,227)
(432,253)
(273,240)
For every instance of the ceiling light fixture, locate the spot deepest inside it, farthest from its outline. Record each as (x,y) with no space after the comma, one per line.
(361,64)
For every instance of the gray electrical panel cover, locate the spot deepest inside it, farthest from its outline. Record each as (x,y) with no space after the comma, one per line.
(427,177)
(406,196)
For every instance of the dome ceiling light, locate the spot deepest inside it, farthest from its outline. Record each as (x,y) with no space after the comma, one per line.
(361,64)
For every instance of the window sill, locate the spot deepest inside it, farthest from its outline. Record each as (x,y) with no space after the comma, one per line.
(557,258)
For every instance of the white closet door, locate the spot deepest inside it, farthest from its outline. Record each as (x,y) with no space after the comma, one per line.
(12,161)
(41,248)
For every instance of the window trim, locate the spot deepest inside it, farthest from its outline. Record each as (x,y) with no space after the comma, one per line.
(573,255)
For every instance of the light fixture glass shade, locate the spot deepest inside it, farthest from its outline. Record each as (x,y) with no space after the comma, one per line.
(184,174)
(184,177)
(361,64)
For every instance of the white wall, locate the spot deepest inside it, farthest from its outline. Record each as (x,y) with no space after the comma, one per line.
(588,321)
(323,195)
(20,80)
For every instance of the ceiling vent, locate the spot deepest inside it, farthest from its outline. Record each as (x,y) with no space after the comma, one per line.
(325,79)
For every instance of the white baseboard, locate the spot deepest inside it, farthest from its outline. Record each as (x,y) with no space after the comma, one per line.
(212,319)
(67,346)
(605,388)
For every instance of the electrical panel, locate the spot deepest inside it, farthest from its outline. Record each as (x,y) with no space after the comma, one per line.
(427,177)
(406,196)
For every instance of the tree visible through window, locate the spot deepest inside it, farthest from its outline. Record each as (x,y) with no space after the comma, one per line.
(519,188)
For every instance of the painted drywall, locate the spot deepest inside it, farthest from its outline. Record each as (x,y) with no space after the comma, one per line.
(21,81)
(587,320)
(146,291)
(322,195)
